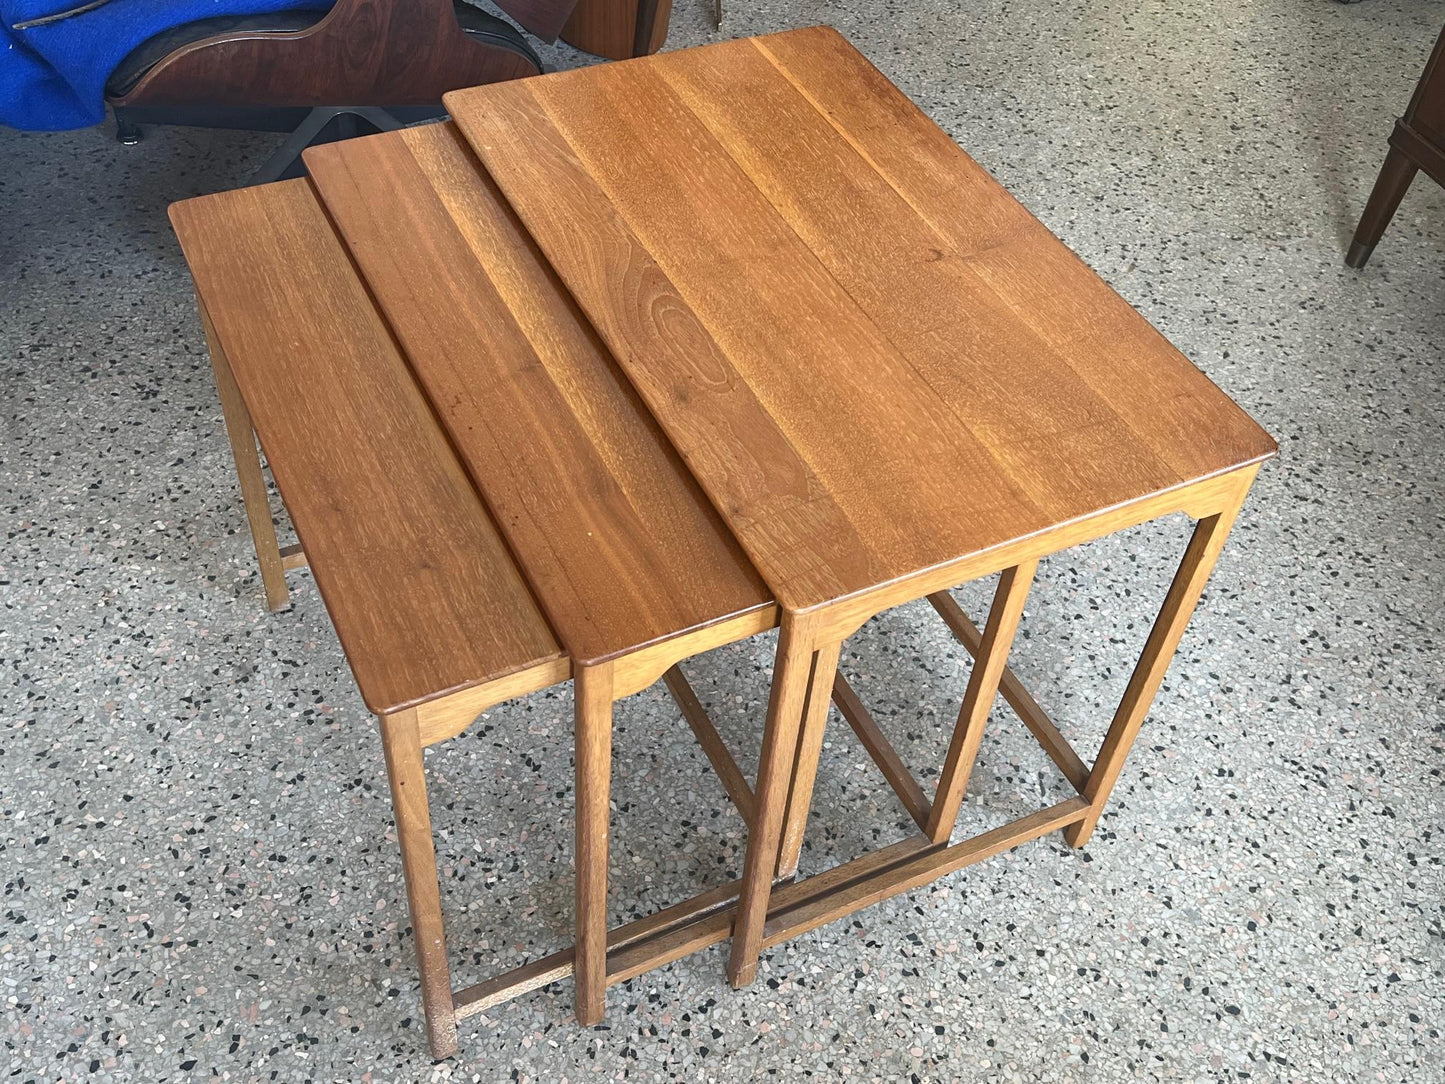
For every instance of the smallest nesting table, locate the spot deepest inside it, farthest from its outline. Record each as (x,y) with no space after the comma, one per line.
(643,359)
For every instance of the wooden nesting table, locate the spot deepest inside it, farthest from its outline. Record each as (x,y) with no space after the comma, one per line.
(639,360)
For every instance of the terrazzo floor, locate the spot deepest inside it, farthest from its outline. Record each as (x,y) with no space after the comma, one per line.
(196,846)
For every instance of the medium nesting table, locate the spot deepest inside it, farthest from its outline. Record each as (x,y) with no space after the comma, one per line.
(640,360)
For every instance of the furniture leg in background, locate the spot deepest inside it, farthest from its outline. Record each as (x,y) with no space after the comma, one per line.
(1417,142)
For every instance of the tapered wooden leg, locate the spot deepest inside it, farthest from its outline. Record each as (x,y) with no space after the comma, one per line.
(401,740)
(1395,177)
(978,698)
(593,759)
(248,472)
(810,746)
(1199,559)
(792,671)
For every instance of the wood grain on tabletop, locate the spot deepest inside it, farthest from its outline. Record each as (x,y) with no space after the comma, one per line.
(620,545)
(873,359)
(422,591)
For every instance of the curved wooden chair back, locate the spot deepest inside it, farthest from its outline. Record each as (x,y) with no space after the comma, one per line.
(393,52)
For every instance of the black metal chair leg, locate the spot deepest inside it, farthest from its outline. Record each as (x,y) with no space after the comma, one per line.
(321,125)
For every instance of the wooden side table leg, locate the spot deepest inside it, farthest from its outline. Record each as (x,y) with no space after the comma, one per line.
(593,760)
(978,698)
(1395,177)
(810,746)
(401,739)
(1188,584)
(248,473)
(792,672)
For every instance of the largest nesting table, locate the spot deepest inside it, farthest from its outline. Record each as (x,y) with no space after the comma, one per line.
(673,351)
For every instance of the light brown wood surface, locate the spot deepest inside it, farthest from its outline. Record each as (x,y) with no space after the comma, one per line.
(592,777)
(620,545)
(638,331)
(871,357)
(422,591)
(405,769)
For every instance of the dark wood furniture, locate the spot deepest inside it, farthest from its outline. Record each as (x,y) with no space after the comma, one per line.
(618,29)
(1417,142)
(362,65)
(711,342)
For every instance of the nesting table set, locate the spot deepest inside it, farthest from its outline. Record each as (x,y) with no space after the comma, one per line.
(628,363)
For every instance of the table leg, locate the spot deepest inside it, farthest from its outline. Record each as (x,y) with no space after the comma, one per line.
(1395,177)
(593,760)
(1188,584)
(793,670)
(978,698)
(401,740)
(248,472)
(810,746)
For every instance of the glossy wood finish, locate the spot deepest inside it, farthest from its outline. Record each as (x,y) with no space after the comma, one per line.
(310,342)
(885,373)
(623,551)
(866,364)
(618,29)
(389,52)
(620,545)
(420,586)
(807,255)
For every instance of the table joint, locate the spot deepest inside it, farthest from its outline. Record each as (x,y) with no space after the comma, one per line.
(293,556)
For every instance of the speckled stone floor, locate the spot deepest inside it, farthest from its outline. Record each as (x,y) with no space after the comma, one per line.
(200,877)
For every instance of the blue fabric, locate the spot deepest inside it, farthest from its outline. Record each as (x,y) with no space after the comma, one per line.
(52,76)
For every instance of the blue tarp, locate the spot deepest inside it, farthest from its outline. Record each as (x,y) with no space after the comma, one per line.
(52,75)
